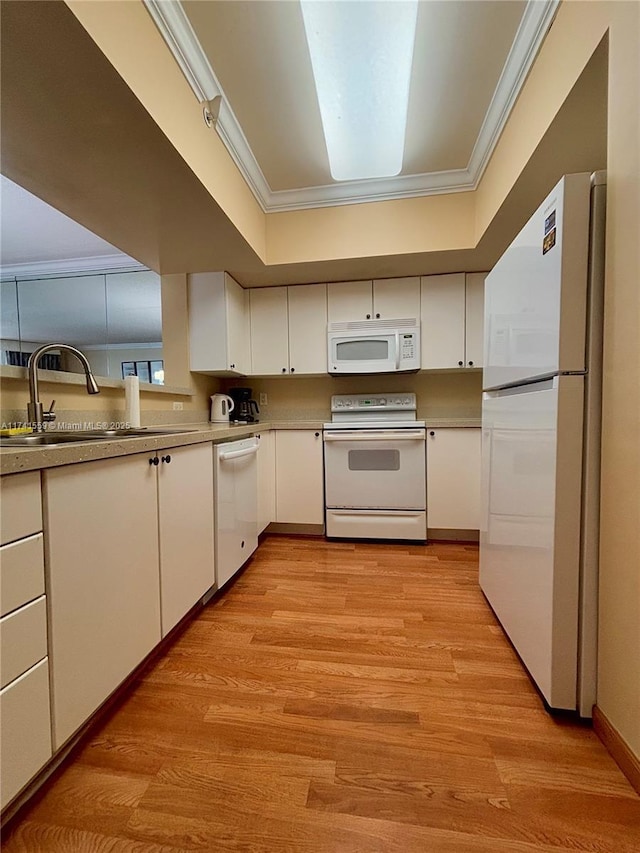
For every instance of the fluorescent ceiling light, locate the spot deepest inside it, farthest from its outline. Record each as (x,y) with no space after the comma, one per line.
(361,55)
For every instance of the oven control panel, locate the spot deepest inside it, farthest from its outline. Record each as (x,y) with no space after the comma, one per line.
(380,403)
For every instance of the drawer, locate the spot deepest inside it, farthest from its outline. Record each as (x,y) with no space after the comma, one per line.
(25,730)
(23,638)
(21,506)
(21,572)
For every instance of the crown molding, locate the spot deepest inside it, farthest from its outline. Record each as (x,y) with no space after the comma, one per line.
(176,29)
(72,266)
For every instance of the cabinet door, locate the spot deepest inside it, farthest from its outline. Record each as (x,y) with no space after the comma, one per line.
(208,350)
(349,300)
(266,480)
(269,331)
(238,327)
(442,313)
(308,328)
(453,479)
(395,298)
(21,506)
(474,319)
(185,514)
(25,733)
(104,593)
(299,476)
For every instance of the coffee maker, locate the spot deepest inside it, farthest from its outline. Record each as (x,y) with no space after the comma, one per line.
(244,406)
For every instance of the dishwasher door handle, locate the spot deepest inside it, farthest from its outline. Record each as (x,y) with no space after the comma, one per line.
(237,454)
(381,435)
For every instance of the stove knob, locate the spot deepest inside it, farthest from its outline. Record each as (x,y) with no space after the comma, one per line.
(382,401)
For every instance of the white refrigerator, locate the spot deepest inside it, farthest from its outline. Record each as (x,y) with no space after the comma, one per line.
(541,439)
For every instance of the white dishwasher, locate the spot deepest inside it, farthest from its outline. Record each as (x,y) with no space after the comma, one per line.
(236,506)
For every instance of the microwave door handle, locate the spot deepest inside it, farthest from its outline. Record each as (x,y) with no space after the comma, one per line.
(397,350)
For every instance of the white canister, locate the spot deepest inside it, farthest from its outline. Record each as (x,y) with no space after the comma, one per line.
(221,407)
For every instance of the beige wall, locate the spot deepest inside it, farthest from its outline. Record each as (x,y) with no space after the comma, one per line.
(440,395)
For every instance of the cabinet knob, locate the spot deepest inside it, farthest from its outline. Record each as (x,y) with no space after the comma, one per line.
(317,434)
(460,363)
(166,459)
(431,432)
(293,370)
(154,461)
(377,316)
(368,316)
(258,436)
(232,365)
(470,364)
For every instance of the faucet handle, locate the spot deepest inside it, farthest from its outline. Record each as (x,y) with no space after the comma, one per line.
(50,415)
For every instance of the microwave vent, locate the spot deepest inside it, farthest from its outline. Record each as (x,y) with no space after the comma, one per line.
(370,325)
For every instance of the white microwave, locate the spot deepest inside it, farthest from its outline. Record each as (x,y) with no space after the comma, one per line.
(374,346)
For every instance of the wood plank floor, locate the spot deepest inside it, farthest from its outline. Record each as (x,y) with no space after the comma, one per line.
(339,697)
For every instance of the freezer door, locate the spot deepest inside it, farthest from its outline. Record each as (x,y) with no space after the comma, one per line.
(536,295)
(530,537)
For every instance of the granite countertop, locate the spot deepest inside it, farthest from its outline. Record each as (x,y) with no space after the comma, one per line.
(16,459)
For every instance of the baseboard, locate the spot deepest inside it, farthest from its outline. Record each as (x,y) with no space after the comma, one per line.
(296,529)
(620,751)
(451,535)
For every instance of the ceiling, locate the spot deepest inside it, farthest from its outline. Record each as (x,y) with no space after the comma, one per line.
(75,135)
(470,59)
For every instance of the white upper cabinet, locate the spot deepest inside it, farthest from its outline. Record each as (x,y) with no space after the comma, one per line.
(395,298)
(452,320)
(349,300)
(269,331)
(218,325)
(308,328)
(474,319)
(288,330)
(382,299)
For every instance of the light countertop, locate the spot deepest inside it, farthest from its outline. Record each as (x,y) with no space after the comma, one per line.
(13,460)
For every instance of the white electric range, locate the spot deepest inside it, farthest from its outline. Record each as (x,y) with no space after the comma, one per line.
(375,468)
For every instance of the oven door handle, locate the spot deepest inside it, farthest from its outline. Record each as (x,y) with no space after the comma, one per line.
(387,513)
(377,435)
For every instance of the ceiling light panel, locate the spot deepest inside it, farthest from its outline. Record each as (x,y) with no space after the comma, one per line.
(361,54)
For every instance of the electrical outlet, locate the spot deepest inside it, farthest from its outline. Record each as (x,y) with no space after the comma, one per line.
(178,407)
(263,399)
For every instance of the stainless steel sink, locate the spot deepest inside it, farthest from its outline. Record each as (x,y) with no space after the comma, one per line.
(54,437)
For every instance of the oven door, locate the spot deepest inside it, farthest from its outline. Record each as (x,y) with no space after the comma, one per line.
(375,469)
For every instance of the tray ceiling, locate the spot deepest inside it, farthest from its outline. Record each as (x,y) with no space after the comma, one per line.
(470,60)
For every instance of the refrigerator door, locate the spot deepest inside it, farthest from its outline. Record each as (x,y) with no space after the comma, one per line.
(530,537)
(536,295)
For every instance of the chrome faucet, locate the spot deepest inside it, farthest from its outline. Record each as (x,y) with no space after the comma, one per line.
(36,416)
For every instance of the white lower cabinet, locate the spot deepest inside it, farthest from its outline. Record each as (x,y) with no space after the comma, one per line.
(130,544)
(299,476)
(185,518)
(25,729)
(25,711)
(453,479)
(104,585)
(266,479)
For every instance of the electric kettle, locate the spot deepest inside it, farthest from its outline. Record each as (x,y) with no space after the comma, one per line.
(221,405)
